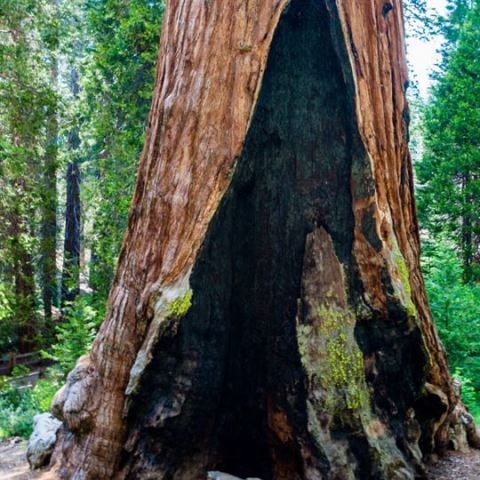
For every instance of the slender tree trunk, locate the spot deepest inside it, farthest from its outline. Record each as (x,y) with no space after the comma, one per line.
(25,303)
(24,283)
(71,260)
(48,242)
(268,316)
(467,229)
(19,232)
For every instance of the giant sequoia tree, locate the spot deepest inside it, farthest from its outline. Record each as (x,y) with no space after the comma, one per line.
(268,316)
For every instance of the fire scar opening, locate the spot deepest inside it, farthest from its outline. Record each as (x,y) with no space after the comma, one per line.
(226,389)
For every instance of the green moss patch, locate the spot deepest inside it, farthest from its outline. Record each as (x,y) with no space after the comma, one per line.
(404,290)
(333,359)
(179,307)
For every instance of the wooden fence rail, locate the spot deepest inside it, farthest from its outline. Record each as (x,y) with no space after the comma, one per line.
(33,361)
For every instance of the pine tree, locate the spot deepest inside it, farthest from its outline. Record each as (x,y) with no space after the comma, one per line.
(26,103)
(118,79)
(449,173)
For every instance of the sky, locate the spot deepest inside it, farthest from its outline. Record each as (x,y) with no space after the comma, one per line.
(423,55)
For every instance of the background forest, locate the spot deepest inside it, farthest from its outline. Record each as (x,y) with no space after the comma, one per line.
(76,79)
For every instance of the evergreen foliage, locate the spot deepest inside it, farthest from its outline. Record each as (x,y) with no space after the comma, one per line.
(449,172)
(76,80)
(448,194)
(456,308)
(118,84)
(26,100)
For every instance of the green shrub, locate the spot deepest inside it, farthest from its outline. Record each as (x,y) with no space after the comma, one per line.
(19,406)
(46,388)
(470,395)
(20,371)
(17,409)
(456,309)
(74,335)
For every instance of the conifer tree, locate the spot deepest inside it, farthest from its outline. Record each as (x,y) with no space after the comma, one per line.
(449,173)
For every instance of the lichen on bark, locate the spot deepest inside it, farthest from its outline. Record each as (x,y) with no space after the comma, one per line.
(180,306)
(169,306)
(332,358)
(401,280)
(339,397)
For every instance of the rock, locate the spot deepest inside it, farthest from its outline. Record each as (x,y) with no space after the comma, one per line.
(42,441)
(225,476)
(221,476)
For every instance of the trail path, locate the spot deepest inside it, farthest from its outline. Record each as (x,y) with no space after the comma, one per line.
(13,463)
(455,466)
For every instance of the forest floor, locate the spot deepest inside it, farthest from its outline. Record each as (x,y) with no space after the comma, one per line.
(455,466)
(13,462)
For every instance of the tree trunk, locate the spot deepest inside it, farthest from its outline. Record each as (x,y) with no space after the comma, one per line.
(467,229)
(48,234)
(24,312)
(268,316)
(71,259)
(71,250)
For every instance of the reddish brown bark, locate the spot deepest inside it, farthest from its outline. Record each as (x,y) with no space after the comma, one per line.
(268,315)
(71,244)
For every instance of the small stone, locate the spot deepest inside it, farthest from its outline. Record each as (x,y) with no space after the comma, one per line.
(226,476)
(221,476)
(42,441)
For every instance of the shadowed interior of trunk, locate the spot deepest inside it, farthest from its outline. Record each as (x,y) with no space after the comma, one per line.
(226,389)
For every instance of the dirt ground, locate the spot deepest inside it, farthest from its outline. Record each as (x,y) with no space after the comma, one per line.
(13,463)
(456,466)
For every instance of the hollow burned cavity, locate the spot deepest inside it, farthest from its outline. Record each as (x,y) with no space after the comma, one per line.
(227,389)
